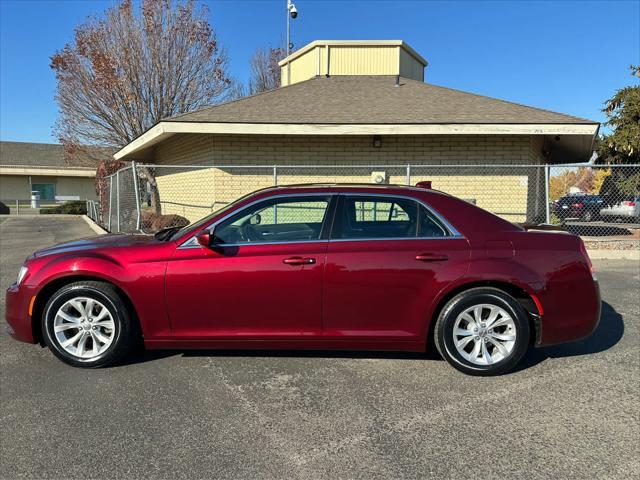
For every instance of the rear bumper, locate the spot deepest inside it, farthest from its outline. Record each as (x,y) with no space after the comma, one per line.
(19,323)
(619,213)
(567,212)
(575,212)
(575,319)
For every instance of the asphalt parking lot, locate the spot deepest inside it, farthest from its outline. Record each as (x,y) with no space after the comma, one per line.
(571,411)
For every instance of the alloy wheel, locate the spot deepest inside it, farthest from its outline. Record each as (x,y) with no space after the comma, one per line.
(484,334)
(84,327)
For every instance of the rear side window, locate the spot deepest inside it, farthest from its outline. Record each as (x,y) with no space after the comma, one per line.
(370,217)
(429,225)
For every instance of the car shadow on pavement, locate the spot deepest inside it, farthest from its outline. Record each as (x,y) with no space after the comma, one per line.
(143,356)
(608,332)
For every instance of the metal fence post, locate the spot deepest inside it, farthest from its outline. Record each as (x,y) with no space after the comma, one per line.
(275,184)
(118,200)
(17,207)
(110,203)
(137,193)
(408,176)
(547,187)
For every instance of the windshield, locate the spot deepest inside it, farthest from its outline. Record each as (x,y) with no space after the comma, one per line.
(192,227)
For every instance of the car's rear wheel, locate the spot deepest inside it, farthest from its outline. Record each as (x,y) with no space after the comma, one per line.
(86,324)
(482,331)
(587,216)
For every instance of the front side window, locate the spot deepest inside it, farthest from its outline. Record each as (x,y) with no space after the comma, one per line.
(291,219)
(368,217)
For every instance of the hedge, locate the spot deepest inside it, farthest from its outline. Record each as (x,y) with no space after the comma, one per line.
(75,207)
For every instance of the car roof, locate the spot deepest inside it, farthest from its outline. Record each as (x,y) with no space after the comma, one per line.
(347,187)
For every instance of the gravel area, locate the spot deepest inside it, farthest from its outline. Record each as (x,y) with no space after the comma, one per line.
(612,244)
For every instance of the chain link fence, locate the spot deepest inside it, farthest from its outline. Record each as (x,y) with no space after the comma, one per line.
(599,201)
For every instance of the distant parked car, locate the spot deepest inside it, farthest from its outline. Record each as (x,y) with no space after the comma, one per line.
(585,207)
(627,210)
(4,210)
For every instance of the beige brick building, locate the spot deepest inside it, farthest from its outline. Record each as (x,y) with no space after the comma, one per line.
(359,111)
(42,168)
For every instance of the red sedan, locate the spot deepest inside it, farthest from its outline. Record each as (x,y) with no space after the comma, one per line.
(314,267)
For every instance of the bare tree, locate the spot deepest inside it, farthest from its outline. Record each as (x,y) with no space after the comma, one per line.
(124,72)
(236,91)
(265,72)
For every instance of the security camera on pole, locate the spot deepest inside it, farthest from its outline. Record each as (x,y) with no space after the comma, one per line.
(292,12)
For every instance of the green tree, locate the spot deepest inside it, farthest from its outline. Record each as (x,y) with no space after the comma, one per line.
(622,146)
(623,117)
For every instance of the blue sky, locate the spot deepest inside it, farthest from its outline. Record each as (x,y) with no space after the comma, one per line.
(566,56)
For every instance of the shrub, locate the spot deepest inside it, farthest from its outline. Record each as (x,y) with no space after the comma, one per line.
(154,222)
(74,207)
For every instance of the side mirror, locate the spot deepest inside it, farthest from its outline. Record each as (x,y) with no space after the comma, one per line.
(255,219)
(204,238)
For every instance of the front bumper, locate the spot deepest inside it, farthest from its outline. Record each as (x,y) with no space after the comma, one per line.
(19,322)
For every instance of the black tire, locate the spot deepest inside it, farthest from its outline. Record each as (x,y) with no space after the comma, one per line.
(124,334)
(444,337)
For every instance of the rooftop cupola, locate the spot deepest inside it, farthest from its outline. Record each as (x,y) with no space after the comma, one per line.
(352,57)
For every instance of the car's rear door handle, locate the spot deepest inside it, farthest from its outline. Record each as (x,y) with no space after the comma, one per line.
(299,261)
(431,257)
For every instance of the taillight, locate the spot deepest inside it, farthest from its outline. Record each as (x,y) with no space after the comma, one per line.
(629,204)
(592,269)
(577,205)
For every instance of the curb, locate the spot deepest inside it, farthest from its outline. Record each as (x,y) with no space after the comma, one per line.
(94,226)
(614,254)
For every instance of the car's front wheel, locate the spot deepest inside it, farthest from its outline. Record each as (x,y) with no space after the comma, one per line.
(482,331)
(86,324)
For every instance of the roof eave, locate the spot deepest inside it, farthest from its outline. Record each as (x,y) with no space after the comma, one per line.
(166,129)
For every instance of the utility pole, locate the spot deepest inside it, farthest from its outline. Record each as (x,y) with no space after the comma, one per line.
(292,12)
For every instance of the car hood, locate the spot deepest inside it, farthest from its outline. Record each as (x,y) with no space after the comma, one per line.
(100,241)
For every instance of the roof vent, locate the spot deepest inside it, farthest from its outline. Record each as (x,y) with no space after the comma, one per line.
(352,57)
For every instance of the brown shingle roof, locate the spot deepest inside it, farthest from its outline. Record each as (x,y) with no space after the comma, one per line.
(49,155)
(373,99)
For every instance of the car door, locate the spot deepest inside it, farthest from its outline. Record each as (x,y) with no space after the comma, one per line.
(388,257)
(262,279)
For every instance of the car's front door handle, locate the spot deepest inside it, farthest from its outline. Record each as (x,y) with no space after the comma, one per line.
(299,261)
(431,257)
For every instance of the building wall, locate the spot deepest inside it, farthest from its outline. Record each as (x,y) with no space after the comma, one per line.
(17,187)
(14,187)
(410,67)
(193,192)
(85,188)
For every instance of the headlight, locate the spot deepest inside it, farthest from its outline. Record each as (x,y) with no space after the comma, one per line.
(21,274)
